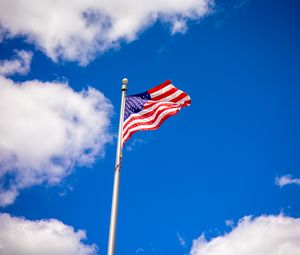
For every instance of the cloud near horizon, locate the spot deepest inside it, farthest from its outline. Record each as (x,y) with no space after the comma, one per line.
(78,30)
(19,236)
(264,235)
(46,129)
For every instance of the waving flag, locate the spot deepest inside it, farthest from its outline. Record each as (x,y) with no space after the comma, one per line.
(148,110)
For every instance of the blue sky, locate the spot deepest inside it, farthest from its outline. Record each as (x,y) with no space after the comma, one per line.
(215,161)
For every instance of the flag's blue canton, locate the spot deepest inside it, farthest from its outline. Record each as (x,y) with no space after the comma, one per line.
(135,103)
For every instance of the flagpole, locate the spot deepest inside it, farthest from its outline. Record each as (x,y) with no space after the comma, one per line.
(114,205)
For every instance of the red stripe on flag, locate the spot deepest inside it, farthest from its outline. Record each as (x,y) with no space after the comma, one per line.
(161,86)
(186,103)
(179,97)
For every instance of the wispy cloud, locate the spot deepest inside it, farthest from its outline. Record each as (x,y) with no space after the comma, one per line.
(20,64)
(223,11)
(181,240)
(78,30)
(134,143)
(229,223)
(286,180)
(240,4)
(179,26)
(139,250)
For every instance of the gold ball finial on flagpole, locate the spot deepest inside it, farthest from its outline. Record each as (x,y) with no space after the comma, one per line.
(124,83)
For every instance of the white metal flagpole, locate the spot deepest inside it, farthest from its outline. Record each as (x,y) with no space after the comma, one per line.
(114,205)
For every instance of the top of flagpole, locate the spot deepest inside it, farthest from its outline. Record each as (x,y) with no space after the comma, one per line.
(124,83)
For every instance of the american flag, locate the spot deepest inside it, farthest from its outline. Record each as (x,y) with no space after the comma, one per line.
(148,110)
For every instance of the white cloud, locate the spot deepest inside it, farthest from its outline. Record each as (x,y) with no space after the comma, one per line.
(19,65)
(286,180)
(134,142)
(264,235)
(179,26)
(229,223)
(45,130)
(181,240)
(76,30)
(139,250)
(19,236)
